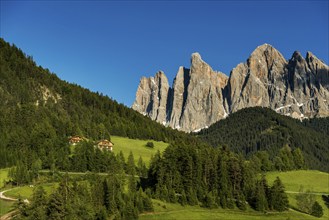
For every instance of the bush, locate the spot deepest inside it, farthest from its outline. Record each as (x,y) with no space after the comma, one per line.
(317,210)
(150,144)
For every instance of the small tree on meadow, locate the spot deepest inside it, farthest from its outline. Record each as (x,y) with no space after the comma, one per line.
(150,144)
(317,210)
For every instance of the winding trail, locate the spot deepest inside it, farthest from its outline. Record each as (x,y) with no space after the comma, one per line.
(11,214)
(8,215)
(310,193)
(2,196)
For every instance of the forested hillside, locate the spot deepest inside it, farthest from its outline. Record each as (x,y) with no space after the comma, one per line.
(38,113)
(261,129)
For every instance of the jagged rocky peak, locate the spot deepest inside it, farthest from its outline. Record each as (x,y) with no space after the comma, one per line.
(264,58)
(196,57)
(201,96)
(151,97)
(204,100)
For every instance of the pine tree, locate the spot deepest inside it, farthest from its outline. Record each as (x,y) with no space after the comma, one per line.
(183,200)
(22,207)
(298,158)
(279,199)
(223,181)
(38,204)
(141,167)
(260,198)
(131,171)
(210,201)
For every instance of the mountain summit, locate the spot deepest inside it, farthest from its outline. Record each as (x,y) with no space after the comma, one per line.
(200,96)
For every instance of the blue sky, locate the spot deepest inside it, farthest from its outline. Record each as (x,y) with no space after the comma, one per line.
(107,46)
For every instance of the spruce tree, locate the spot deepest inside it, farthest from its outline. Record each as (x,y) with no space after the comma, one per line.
(260,198)
(279,199)
(38,205)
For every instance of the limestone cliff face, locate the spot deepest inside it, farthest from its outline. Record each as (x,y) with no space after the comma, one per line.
(179,96)
(151,97)
(201,96)
(204,100)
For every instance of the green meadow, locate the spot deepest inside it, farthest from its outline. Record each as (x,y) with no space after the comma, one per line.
(26,191)
(5,206)
(3,176)
(138,147)
(315,181)
(167,211)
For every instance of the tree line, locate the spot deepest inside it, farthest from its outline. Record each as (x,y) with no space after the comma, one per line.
(261,129)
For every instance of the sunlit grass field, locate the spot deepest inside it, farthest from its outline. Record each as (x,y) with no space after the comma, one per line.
(164,211)
(315,181)
(3,176)
(26,191)
(137,147)
(5,207)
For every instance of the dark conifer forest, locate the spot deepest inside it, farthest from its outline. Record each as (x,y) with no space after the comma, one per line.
(261,129)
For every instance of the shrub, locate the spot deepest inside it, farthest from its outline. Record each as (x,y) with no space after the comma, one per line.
(317,210)
(150,144)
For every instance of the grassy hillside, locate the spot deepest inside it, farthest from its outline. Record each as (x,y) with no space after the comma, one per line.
(314,180)
(26,191)
(5,207)
(168,211)
(261,129)
(3,176)
(137,147)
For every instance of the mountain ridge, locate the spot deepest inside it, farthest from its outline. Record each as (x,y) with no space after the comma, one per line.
(200,96)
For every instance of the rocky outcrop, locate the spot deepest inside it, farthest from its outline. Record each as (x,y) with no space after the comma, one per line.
(204,99)
(151,97)
(201,96)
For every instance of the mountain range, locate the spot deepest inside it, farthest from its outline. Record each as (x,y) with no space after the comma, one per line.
(200,96)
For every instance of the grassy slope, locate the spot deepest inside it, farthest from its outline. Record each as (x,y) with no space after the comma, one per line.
(315,181)
(5,207)
(3,176)
(26,192)
(138,147)
(176,211)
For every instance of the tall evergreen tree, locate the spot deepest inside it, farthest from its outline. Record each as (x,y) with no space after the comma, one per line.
(279,199)
(38,204)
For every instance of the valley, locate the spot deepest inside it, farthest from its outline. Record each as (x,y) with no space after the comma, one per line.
(57,152)
(165,210)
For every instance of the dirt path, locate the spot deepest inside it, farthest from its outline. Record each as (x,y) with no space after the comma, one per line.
(8,215)
(2,196)
(311,193)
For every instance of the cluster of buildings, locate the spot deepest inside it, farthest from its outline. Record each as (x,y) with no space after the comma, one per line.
(101,144)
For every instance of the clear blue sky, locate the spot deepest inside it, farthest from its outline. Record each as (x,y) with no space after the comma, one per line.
(107,46)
